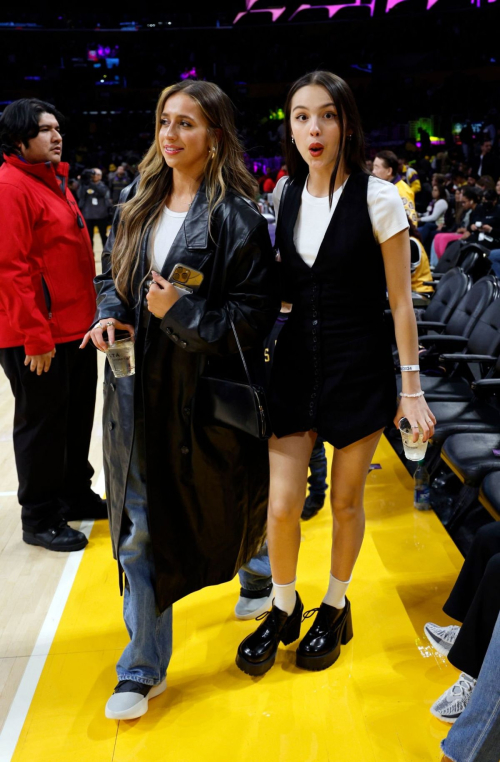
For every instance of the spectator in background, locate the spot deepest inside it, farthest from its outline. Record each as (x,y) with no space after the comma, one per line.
(420,268)
(47,302)
(486,225)
(95,202)
(486,163)
(475,736)
(474,601)
(486,183)
(269,184)
(386,167)
(460,179)
(472,179)
(117,182)
(410,176)
(282,173)
(470,199)
(433,220)
(467,140)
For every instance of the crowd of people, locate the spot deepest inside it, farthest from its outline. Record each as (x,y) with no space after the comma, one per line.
(236,480)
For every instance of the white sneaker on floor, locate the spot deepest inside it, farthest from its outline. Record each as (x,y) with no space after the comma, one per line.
(441,638)
(452,703)
(251,604)
(131,704)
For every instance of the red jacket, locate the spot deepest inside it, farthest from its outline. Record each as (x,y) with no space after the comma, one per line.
(47,266)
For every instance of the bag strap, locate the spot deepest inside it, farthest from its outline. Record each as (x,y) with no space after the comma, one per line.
(280,215)
(241,352)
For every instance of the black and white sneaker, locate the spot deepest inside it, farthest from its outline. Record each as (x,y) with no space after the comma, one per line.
(130,699)
(252,603)
(452,703)
(441,638)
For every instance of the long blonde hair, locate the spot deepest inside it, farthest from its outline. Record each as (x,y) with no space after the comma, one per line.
(224,170)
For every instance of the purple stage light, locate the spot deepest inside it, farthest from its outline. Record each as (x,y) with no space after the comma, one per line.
(189,74)
(291,12)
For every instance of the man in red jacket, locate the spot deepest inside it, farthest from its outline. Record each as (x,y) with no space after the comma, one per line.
(47,303)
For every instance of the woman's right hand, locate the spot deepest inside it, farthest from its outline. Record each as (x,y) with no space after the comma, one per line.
(109,325)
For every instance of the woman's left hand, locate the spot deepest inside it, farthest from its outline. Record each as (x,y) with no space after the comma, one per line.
(161,296)
(417,411)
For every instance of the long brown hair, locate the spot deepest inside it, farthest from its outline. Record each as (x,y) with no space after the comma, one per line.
(352,149)
(224,170)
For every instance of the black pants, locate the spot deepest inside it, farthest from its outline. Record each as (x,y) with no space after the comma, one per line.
(102,226)
(53,420)
(475,600)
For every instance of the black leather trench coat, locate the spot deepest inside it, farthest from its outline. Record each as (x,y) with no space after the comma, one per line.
(207,486)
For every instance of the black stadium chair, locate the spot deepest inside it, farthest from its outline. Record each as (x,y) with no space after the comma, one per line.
(443,302)
(478,414)
(457,254)
(471,457)
(489,494)
(467,312)
(483,345)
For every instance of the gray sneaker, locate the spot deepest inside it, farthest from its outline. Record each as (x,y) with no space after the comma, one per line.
(441,638)
(452,703)
(130,699)
(252,603)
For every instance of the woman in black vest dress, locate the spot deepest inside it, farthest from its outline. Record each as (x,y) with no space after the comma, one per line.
(342,239)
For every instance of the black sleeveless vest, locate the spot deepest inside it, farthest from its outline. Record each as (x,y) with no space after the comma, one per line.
(333,368)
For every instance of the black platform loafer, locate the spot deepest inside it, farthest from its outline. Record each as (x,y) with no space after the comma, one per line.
(257,653)
(59,537)
(320,648)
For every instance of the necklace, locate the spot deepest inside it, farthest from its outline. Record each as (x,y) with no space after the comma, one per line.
(172,199)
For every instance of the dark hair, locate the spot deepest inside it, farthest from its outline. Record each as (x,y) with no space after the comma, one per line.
(486,182)
(471,194)
(353,150)
(19,122)
(490,197)
(390,160)
(442,191)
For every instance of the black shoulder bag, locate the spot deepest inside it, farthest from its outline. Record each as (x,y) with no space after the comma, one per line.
(222,402)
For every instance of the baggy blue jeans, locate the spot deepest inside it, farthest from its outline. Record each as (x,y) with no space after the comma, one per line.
(147,656)
(475,736)
(256,574)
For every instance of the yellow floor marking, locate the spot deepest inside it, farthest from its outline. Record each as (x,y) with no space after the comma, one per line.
(371,706)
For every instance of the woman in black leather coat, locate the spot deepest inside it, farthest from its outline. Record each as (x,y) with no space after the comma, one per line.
(187,500)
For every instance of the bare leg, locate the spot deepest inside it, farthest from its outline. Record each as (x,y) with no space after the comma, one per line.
(289,460)
(349,472)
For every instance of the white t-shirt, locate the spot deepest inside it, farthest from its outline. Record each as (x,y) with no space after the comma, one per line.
(168,226)
(385,207)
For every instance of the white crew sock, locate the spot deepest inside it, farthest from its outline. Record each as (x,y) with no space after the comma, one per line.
(335,595)
(285,596)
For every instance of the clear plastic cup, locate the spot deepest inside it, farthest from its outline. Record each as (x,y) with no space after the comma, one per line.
(121,357)
(413,450)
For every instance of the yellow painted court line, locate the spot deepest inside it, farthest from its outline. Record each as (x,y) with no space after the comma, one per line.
(371,706)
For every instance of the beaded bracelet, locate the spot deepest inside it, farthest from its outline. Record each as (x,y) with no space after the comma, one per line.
(418,394)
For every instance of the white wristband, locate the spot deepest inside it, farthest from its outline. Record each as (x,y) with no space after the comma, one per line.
(406,368)
(418,394)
